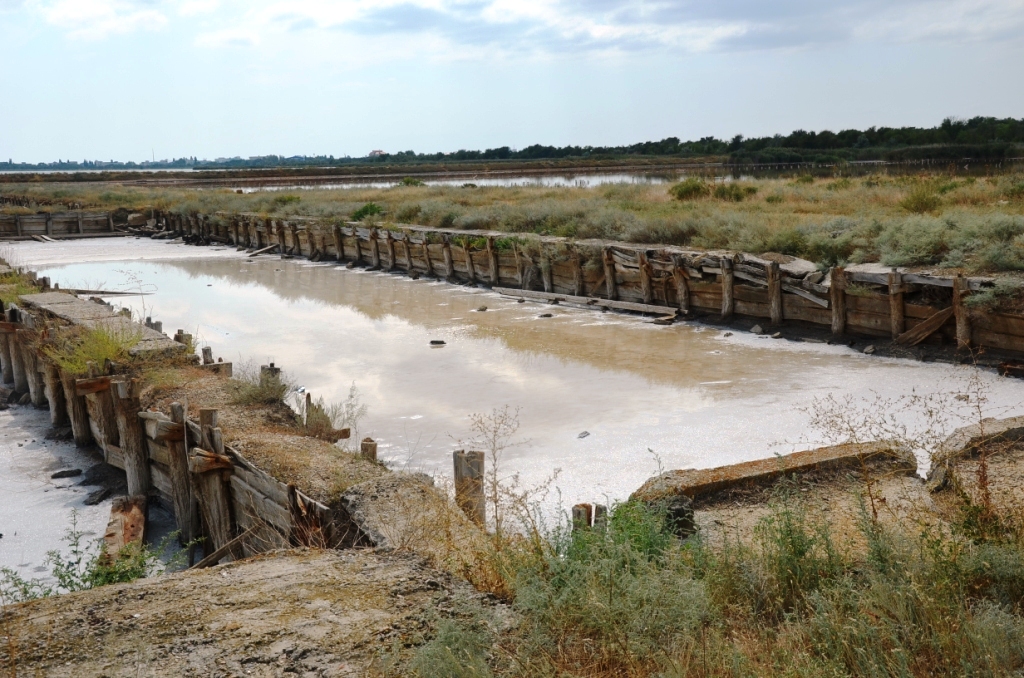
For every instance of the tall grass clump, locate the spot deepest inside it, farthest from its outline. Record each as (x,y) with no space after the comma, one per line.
(73,349)
(921,199)
(251,386)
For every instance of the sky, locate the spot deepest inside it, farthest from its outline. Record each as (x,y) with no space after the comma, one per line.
(137,79)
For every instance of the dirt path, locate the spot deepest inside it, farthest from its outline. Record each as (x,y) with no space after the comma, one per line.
(289,613)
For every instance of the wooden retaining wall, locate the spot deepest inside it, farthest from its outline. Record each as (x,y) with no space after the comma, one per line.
(55,225)
(863,300)
(213,491)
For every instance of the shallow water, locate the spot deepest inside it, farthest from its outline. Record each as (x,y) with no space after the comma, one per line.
(686,394)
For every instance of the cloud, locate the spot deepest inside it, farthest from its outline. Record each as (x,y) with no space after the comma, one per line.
(556,26)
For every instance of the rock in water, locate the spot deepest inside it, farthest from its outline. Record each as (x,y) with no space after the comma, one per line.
(869,350)
(67,473)
(757,329)
(97,496)
(481,309)
(584,434)
(437,342)
(544,315)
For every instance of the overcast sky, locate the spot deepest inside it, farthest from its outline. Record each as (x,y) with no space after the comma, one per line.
(125,79)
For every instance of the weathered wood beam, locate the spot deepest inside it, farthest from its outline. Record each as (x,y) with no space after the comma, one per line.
(925,329)
(837,292)
(774,280)
(896,310)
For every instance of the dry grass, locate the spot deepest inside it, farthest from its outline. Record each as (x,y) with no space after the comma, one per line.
(913,220)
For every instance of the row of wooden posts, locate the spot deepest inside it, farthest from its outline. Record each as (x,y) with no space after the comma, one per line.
(663,280)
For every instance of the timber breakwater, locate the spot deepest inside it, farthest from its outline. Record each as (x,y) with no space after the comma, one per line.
(910,307)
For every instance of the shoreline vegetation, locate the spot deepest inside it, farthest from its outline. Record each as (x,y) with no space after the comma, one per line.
(944,220)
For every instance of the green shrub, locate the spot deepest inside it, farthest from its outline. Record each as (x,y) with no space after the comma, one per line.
(921,199)
(411,181)
(692,188)
(732,192)
(1015,191)
(803,179)
(252,386)
(775,199)
(458,650)
(286,199)
(839,184)
(368,210)
(74,348)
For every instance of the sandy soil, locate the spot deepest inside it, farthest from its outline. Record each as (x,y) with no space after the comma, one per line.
(287,613)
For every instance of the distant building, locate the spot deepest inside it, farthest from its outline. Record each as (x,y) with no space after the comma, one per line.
(377,154)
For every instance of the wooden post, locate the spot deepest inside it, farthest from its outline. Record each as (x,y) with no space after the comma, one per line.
(390,243)
(296,243)
(645,278)
(600,515)
(492,257)
(899,324)
(339,243)
(837,294)
(963,320)
(609,274)
(5,358)
(545,272)
(374,250)
(134,448)
(181,486)
(368,449)
(78,412)
(207,355)
(257,236)
(30,361)
(470,268)
(18,364)
(81,224)
(359,246)
(682,288)
(469,485)
(110,222)
(582,516)
(577,274)
(17,224)
(55,394)
(520,276)
(774,292)
(449,265)
(728,300)
(49,224)
(426,255)
(409,268)
(103,412)
(210,469)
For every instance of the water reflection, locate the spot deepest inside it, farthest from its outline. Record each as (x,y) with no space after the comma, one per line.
(693,396)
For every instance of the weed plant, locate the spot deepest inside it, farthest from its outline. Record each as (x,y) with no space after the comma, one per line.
(86,565)
(251,386)
(72,349)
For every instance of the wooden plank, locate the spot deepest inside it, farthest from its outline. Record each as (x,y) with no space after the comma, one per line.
(923,330)
(868,323)
(161,477)
(728,300)
(1000,323)
(158,452)
(824,303)
(960,312)
(1006,342)
(594,302)
(126,526)
(90,386)
(867,302)
(609,274)
(263,483)
(251,502)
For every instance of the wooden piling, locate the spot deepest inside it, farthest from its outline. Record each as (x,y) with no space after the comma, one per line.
(679,276)
(339,243)
(728,298)
(600,515)
(470,267)
(18,364)
(837,295)
(29,362)
(55,394)
(296,243)
(577,274)
(449,264)
(609,274)
(181,486)
(963,320)
(774,277)
(81,224)
(359,248)
(78,411)
(469,485)
(207,355)
(545,272)
(368,449)
(389,239)
(5,358)
(49,224)
(409,268)
(646,287)
(582,516)
(211,469)
(134,449)
(492,257)
(374,250)
(896,309)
